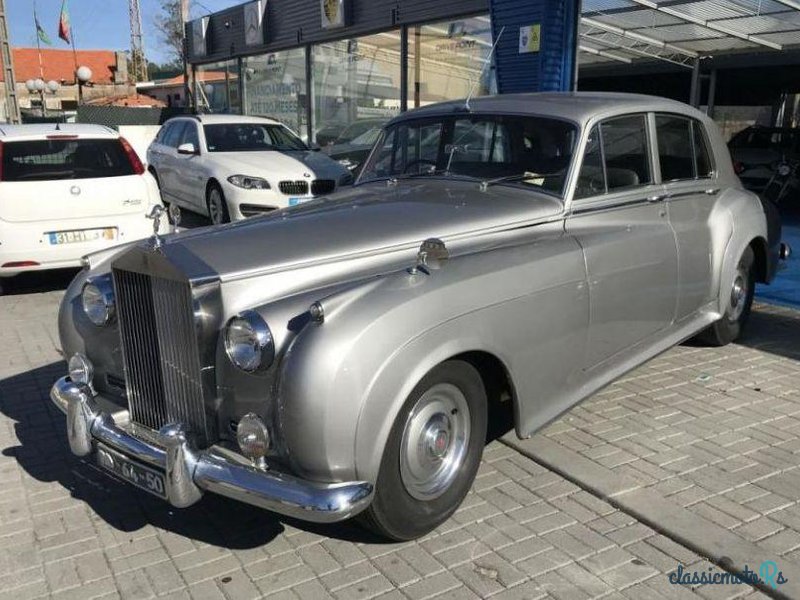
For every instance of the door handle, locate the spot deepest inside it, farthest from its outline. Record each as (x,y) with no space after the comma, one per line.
(657,198)
(711,191)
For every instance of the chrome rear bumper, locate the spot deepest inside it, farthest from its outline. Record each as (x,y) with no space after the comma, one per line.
(190,472)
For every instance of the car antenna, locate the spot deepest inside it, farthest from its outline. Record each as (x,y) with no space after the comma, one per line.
(480,75)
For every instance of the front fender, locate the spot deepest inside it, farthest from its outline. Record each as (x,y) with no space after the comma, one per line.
(344,381)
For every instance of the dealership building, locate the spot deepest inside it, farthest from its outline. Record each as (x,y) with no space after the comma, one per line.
(322,65)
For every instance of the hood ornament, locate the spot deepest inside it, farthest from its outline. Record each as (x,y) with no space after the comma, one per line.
(432,255)
(156,213)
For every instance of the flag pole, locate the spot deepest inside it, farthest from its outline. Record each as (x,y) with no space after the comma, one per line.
(38,41)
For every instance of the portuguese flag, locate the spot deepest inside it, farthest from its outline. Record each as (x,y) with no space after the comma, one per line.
(64,29)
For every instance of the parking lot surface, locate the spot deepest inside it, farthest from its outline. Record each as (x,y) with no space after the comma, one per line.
(691,459)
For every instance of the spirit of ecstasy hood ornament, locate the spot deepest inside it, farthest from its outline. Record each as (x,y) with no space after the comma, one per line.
(158,211)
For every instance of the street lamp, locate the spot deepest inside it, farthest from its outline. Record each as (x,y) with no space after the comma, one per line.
(83,75)
(37,86)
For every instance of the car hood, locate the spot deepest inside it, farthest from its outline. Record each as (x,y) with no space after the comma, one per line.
(273,164)
(364,221)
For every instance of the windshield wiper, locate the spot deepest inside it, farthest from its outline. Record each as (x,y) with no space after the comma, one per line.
(527,175)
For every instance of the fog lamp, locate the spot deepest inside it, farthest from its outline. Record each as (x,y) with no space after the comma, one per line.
(253,438)
(80,369)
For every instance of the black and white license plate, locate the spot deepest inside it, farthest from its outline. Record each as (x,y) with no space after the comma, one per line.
(142,477)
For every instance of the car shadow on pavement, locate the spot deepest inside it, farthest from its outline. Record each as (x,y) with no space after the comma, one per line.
(37,282)
(774,330)
(43,453)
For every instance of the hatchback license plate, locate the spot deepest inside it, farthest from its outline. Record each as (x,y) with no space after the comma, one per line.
(58,238)
(142,477)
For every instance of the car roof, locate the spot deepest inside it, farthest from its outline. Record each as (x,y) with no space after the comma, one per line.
(578,107)
(221,119)
(42,130)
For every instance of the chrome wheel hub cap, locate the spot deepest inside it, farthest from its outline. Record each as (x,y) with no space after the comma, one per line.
(738,297)
(435,442)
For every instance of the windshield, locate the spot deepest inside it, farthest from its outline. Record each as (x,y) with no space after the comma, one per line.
(367,138)
(250,137)
(533,152)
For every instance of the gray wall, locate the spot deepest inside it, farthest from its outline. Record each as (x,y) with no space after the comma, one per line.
(292,23)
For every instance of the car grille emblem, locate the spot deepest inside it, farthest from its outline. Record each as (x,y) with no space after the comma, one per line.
(306,175)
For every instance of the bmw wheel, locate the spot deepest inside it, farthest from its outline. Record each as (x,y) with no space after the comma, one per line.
(739,300)
(217,206)
(432,454)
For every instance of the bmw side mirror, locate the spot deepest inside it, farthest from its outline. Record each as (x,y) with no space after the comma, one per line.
(187,148)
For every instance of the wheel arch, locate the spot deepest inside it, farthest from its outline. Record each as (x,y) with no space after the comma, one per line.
(761,255)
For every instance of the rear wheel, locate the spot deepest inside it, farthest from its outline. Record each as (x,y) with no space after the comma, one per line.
(432,454)
(217,206)
(739,301)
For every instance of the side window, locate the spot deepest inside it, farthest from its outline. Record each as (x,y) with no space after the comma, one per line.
(625,152)
(705,168)
(190,136)
(173,136)
(675,148)
(592,177)
(162,133)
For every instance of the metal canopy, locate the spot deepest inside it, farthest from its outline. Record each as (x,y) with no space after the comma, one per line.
(683,31)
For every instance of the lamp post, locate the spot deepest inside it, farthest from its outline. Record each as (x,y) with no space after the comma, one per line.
(83,75)
(37,86)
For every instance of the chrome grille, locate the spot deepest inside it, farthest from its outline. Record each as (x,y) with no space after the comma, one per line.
(159,343)
(320,187)
(293,188)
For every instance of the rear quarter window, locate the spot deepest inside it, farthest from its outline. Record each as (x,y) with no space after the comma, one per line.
(57,159)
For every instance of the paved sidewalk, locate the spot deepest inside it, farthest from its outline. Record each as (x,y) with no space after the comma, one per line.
(689,426)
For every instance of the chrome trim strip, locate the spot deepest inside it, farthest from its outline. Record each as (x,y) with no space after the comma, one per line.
(598,208)
(189,472)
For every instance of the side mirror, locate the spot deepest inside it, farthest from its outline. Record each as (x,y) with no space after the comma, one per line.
(187,149)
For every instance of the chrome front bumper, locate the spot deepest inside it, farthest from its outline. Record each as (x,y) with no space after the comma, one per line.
(189,472)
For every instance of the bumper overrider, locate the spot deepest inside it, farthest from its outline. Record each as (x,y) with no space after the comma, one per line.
(189,472)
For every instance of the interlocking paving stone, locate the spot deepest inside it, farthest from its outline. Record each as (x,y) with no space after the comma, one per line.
(69,531)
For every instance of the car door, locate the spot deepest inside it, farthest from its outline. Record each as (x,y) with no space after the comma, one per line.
(690,182)
(189,178)
(169,159)
(619,217)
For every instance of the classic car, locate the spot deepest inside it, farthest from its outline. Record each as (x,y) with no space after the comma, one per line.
(342,358)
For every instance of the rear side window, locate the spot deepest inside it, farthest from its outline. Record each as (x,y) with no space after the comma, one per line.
(682,149)
(57,159)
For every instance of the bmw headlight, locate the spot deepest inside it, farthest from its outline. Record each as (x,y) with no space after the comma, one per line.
(249,183)
(97,298)
(249,343)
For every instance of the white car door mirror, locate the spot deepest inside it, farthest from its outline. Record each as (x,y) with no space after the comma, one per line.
(187,148)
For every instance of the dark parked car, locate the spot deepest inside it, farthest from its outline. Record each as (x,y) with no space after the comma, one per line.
(758,151)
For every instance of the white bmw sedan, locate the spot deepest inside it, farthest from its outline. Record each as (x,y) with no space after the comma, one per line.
(230,167)
(67,191)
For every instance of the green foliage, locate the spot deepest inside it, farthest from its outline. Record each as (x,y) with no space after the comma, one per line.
(169,26)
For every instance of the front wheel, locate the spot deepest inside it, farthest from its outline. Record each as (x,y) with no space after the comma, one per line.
(432,454)
(739,301)
(217,205)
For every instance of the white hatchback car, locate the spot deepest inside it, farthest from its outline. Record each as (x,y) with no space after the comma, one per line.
(230,167)
(67,191)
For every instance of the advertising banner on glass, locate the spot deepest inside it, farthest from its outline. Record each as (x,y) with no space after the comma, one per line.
(254,22)
(276,87)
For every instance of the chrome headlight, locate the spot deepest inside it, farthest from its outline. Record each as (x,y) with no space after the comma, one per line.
(253,437)
(97,298)
(249,343)
(249,183)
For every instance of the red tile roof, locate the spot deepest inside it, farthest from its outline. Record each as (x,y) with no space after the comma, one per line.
(60,64)
(132,100)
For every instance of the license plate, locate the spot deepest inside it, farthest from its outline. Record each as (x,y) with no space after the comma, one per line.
(58,238)
(296,201)
(142,477)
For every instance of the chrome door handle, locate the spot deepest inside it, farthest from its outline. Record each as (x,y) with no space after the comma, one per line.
(711,191)
(657,198)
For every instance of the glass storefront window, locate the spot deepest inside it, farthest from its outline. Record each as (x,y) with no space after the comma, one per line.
(356,86)
(217,87)
(275,87)
(445,61)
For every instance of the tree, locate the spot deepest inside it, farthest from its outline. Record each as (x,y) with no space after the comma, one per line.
(169,25)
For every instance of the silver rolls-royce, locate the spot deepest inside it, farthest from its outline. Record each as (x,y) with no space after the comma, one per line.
(342,358)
